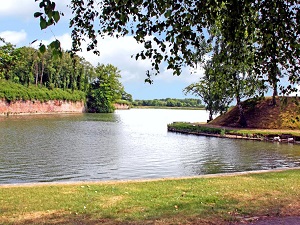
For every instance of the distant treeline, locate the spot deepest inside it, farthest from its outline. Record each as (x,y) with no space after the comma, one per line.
(170,102)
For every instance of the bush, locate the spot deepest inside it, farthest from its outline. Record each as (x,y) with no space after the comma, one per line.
(188,127)
(12,92)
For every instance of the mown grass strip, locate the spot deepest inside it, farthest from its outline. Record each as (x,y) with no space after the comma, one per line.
(219,199)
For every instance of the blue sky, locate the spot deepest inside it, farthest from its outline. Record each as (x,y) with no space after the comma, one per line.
(19,27)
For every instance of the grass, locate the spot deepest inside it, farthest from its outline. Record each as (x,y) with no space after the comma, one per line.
(261,114)
(212,129)
(191,127)
(11,91)
(258,132)
(215,200)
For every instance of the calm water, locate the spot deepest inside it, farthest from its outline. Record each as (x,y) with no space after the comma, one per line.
(128,144)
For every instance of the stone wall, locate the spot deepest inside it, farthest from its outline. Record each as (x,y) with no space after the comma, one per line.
(31,107)
(121,106)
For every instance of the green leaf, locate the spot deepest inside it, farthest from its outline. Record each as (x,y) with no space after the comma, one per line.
(56,16)
(37,14)
(53,5)
(42,48)
(43,23)
(168,13)
(55,44)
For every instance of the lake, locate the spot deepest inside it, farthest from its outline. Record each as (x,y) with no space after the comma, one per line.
(128,144)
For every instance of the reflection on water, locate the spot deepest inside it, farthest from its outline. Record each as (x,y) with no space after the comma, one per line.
(128,144)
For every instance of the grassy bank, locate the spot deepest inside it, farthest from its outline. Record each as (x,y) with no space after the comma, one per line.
(262,114)
(217,200)
(186,127)
(11,92)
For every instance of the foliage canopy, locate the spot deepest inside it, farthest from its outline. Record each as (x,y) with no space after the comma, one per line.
(29,74)
(177,31)
(105,89)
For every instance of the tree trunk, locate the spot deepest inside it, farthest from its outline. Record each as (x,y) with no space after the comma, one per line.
(275,93)
(42,71)
(36,67)
(210,116)
(274,71)
(242,120)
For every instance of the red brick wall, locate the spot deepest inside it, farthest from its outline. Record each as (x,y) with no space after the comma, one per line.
(53,106)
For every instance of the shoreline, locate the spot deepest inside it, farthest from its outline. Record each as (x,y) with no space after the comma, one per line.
(267,135)
(34,107)
(104,182)
(12,114)
(167,107)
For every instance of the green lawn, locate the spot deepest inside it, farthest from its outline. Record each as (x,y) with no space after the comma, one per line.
(179,201)
(211,129)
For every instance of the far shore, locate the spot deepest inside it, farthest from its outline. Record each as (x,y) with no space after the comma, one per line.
(167,107)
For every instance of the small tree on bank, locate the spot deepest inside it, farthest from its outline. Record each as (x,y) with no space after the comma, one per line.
(213,92)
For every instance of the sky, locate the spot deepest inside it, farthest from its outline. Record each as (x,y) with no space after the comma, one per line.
(19,27)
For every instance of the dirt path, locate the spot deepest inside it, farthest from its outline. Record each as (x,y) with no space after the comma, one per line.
(290,220)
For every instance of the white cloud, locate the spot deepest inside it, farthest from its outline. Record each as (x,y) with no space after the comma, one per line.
(188,75)
(118,52)
(17,8)
(112,51)
(14,37)
(26,8)
(65,41)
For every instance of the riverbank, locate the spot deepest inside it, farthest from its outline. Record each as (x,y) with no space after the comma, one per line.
(20,107)
(201,200)
(168,107)
(270,135)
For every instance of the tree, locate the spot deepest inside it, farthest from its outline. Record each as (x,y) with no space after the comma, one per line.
(174,30)
(278,49)
(24,66)
(233,65)
(27,66)
(212,91)
(7,59)
(105,89)
(126,96)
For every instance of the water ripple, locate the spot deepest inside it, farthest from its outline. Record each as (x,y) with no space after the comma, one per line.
(130,144)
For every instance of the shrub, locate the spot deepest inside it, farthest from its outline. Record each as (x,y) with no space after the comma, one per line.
(11,92)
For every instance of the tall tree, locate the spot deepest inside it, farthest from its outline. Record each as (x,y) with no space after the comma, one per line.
(277,40)
(177,29)
(213,91)
(234,52)
(24,67)
(7,59)
(105,89)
